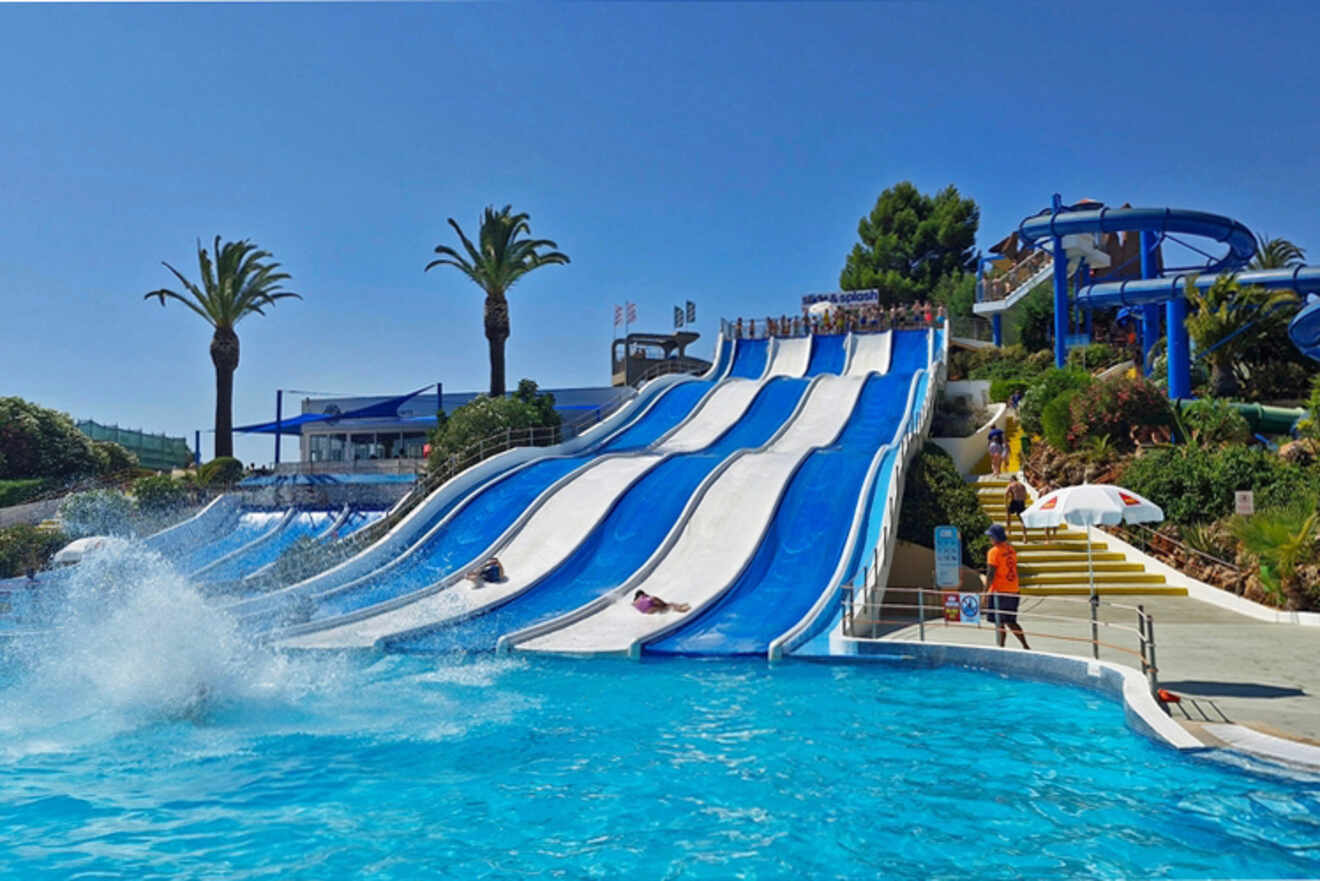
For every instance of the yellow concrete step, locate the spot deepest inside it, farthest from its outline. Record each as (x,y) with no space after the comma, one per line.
(1048,568)
(1080,575)
(1103,590)
(1072,557)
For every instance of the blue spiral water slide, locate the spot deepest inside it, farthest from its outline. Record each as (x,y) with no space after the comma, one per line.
(1154,224)
(459,514)
(577,511)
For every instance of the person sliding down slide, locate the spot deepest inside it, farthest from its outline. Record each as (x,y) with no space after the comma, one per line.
(649,605)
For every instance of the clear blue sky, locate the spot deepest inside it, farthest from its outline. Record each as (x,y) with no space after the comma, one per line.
(719,153)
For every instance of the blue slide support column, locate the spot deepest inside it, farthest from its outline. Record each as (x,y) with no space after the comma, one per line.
(1180,354)
(1060,303)
(997,325)
(1150,312)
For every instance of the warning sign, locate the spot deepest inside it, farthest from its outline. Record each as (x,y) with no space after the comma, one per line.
(952,606)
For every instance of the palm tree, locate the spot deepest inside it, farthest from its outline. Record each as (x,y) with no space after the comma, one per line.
(502,259)
(234,285)
(1226,320)
(1276,254)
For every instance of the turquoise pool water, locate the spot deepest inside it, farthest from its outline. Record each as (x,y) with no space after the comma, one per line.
(182,752)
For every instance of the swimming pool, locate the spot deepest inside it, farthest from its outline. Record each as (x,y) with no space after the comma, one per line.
(187,753)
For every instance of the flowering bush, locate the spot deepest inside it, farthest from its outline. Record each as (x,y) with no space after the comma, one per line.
(1110,409)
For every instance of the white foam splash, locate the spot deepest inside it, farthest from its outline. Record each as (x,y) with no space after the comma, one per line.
(133,643)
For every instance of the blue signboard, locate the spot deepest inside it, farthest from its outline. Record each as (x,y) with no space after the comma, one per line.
(948,556)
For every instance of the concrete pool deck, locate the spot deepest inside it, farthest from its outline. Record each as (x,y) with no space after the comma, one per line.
(1229,669)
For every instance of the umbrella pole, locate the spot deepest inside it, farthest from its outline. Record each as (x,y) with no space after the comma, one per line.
(1095,598)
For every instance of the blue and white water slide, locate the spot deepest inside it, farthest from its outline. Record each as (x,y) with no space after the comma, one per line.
(589,531)
(461,518)
(751,543)
(540,535)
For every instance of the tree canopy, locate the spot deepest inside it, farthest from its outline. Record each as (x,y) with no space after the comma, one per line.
(495,264)
(910,241)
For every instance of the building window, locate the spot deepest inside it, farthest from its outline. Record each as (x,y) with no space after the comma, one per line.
(413,442)
(326,447)
(365,446)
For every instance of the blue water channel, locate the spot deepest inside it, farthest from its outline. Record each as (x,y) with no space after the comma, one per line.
(305,524)
(625,538)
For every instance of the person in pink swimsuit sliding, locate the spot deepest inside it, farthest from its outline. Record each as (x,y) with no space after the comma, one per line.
(649,605)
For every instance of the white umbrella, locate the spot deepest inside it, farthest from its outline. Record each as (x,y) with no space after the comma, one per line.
(821,308)
(1091,504)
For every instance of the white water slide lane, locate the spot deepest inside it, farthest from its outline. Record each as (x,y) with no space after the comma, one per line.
(704,554)
(790,357)
(871,353)
(540,540)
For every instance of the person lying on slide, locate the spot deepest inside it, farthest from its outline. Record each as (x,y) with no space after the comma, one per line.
(490,572)
(649,605)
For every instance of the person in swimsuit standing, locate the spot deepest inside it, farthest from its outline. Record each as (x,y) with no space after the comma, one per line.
(1015,497)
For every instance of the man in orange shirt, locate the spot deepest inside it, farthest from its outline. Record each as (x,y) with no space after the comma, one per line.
(1001,577)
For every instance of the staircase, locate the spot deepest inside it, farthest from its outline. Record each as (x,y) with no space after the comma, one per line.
(1058,567)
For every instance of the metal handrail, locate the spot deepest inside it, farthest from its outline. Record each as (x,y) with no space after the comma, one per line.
(1001,286)
(800,327)
(664,369)
(872,609)
(1128,529)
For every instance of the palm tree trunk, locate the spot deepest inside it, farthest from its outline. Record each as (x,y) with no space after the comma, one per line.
(224,355)
(497,331)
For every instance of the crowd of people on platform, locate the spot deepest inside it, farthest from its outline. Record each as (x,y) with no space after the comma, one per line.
(868,318)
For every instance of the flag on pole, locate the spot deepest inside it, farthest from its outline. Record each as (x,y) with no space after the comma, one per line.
(691,312)
(618,315)
(678,317)
(632,312)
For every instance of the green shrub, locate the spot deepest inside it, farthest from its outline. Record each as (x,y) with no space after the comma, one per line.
(1211,421)
(1003,389)
(1196,484)
(97,512)
(24,547)
(39,442)
(1110,409)
(159,493)
(1281,539)
(224,471)
(1045,388)
(1309,426)
(1096,356)
(116,458)
(1056,420)
(16,492)
(484,417)
(935,494)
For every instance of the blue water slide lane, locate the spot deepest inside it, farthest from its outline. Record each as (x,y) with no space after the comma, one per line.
(805,540)
(1140,291)
(1304,329)
(749,358)
(476,520)
(250,526)
(827,354)
(625,538)
(1240,240)
(814,639)
(722,359)
(304,524)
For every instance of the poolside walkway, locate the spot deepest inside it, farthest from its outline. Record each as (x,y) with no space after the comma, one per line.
(1226,667)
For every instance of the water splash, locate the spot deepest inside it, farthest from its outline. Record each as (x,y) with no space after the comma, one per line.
(132,643)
